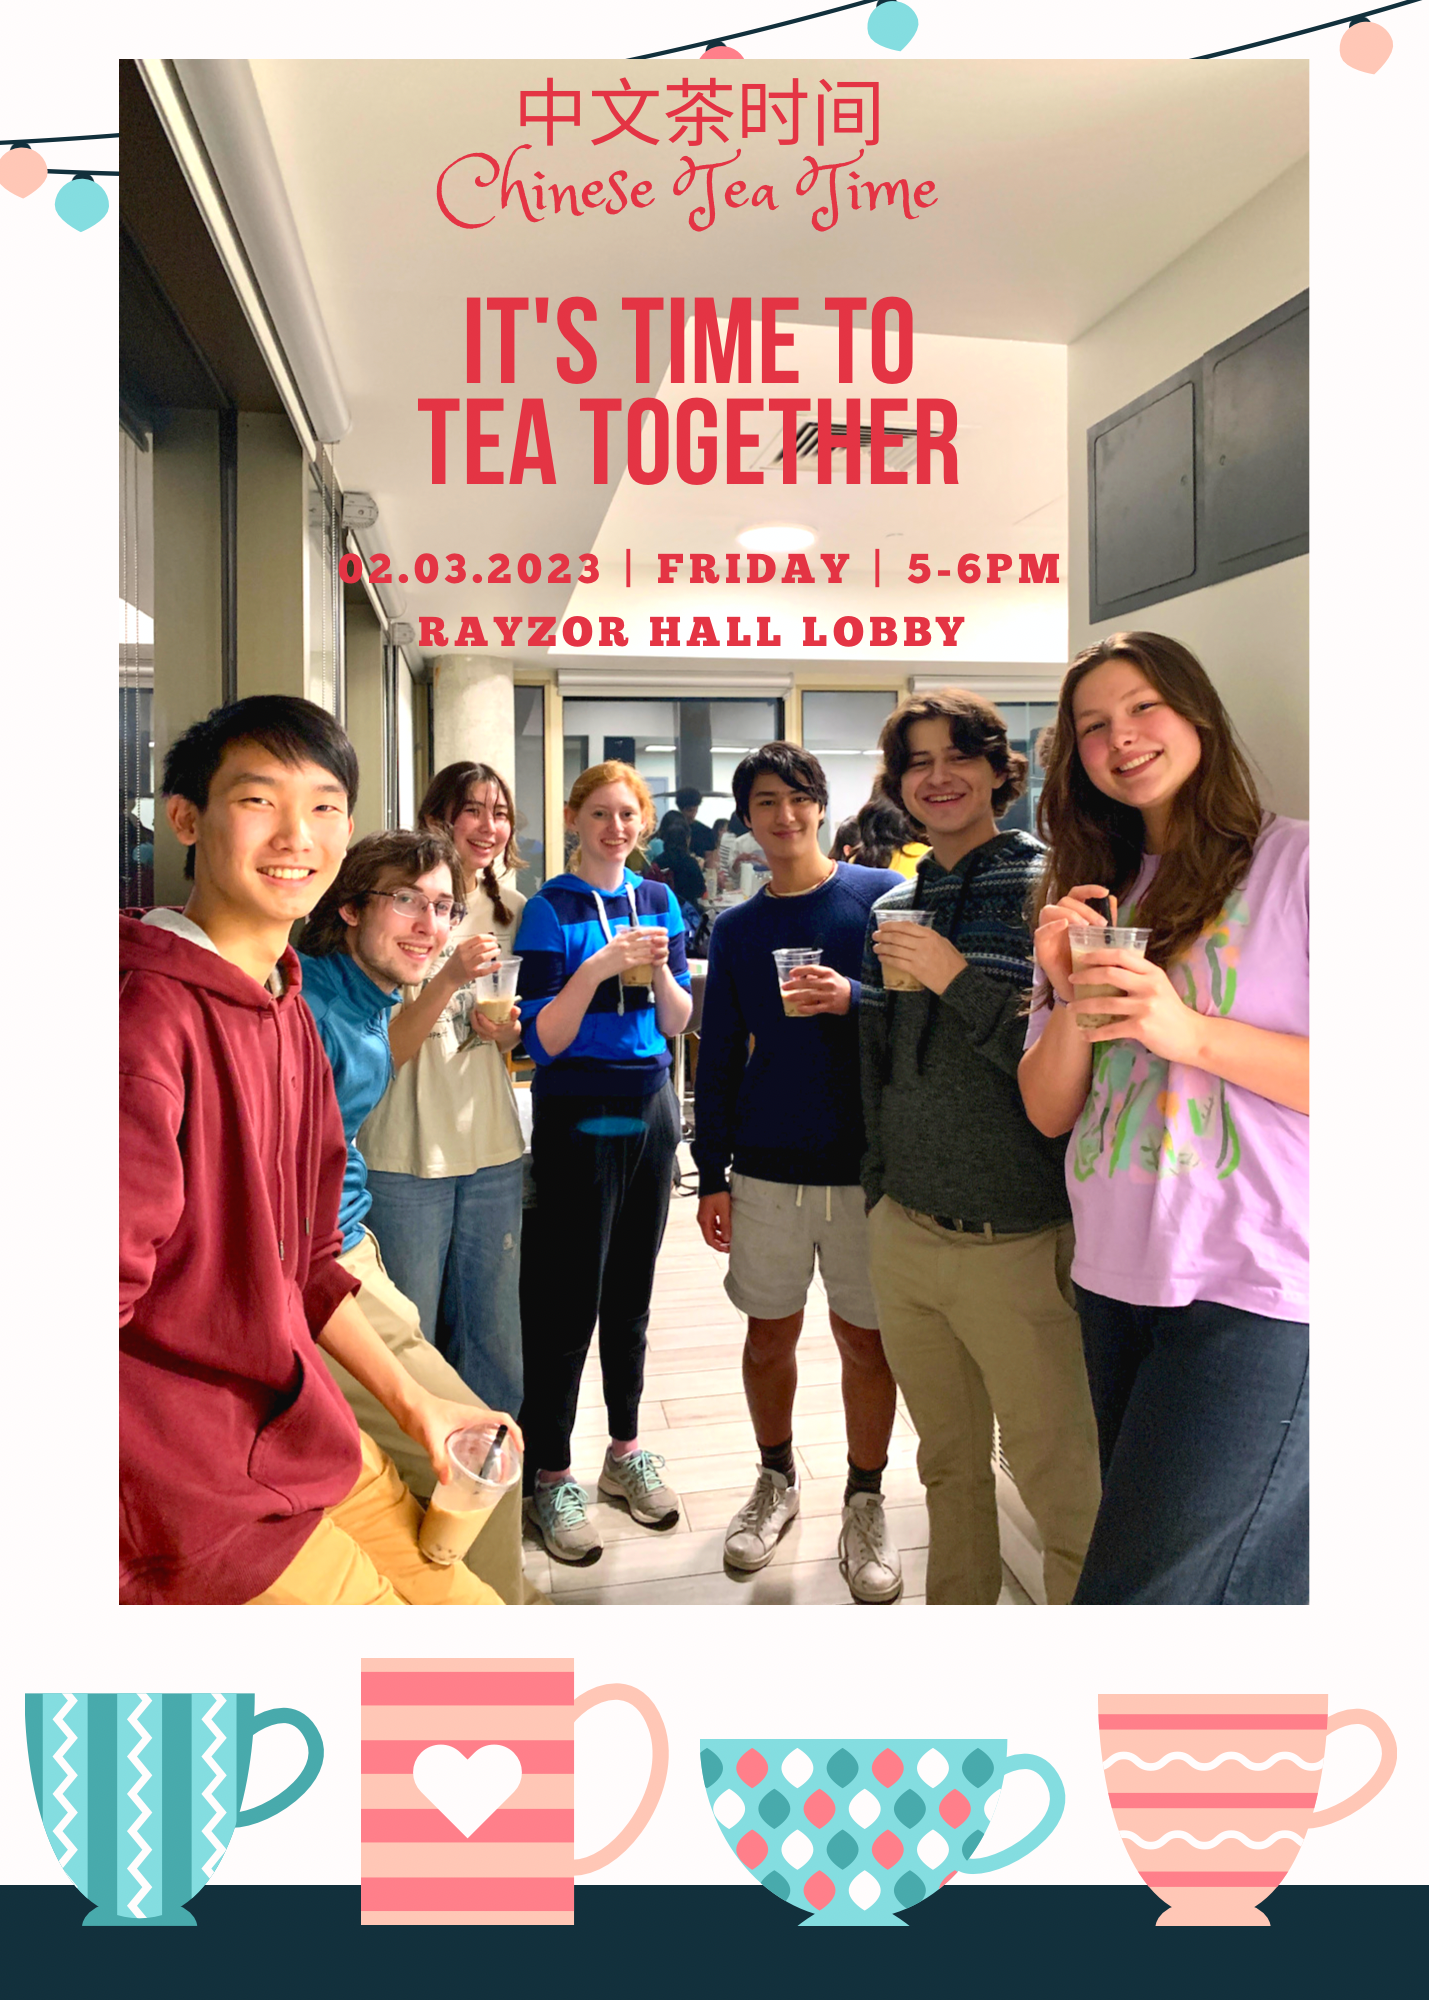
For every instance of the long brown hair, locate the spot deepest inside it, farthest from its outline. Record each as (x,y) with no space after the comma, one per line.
(443,801)
(390,860)
(612,772)
(1215,817)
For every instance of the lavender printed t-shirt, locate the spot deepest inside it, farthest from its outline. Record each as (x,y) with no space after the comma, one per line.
(1184,1186)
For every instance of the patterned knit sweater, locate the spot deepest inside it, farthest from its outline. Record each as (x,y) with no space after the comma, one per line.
(947,1135)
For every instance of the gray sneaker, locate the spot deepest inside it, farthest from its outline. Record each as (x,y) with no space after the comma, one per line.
(868,1561)
(753,1535)
(561,1517)
(636,1481)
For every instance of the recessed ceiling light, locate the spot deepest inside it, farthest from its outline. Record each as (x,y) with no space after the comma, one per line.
(657,746)
(778,538)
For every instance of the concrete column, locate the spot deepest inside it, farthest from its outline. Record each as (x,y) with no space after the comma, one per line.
(366,718)
(188,640)
(474,712)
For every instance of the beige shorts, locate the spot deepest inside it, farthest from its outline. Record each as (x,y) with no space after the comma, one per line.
(778,1229)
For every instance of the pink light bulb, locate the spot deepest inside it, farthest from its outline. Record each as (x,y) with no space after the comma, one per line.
(1366,46)
(22,170)
(720,52)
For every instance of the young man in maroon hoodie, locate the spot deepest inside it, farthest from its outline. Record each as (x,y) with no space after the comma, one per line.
(243,1475)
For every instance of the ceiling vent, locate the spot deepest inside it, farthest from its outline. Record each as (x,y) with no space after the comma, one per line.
(900,450)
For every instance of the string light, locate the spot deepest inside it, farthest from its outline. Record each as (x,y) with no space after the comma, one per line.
(720,52)
(82,202)
(23,170)
(1365,45)
(892,24)
(1318,27)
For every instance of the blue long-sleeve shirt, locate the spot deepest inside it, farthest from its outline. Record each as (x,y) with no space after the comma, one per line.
(618,1050)
(789,1110)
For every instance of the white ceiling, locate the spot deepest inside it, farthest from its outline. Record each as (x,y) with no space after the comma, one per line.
(1062,188)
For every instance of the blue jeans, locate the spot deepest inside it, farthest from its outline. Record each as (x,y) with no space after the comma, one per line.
(453,1245)
(1203,1424)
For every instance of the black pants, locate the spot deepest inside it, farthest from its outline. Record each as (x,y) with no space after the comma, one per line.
(602,1169)
(1203,1423)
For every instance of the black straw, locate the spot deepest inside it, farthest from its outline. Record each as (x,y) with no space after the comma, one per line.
(489,1461)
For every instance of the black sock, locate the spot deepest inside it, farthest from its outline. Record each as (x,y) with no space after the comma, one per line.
(779,1458)
(861,1481)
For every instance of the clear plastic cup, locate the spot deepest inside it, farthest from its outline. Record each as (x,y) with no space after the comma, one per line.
(642,974)
(785,960)
(495,992)
(482,1471)
(895,979)
(1084,938)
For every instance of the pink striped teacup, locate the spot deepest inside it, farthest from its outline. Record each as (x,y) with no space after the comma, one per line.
(468,1790)
(1214,1794)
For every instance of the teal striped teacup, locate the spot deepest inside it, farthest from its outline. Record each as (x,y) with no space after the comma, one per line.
(140,1794)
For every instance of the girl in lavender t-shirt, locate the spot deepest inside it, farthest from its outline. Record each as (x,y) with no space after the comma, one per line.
(1187,1158)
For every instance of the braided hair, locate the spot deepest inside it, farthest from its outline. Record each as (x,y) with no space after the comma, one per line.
(444,800)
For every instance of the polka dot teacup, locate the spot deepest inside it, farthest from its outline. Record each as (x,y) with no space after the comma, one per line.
(854,1830)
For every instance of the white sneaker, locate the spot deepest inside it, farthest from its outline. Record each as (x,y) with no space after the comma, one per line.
(560,1515)
(753,1536)
(868,1561)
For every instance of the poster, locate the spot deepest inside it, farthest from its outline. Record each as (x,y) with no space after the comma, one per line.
(797,1670)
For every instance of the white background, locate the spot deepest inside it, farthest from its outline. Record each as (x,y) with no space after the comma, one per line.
(1031,1677)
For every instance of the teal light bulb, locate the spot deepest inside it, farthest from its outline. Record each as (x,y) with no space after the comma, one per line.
(892,24)
(82,202)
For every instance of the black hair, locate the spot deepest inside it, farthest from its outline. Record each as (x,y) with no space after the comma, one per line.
(689,795)
(676,838)
(287,727)
(799,769)
(882,830)
(672,819)
(845,836)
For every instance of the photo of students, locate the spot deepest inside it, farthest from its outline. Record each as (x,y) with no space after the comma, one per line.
(243,1474)
(603,983)
(444,1144)
(788,1115)
(378,929)
(970,1240)
(1187,1108)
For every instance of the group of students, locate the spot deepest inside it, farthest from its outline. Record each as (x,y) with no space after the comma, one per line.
(323,1270)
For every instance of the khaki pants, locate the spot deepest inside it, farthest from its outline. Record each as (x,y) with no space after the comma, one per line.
(495,1556)
(973,1325)
(364,1552)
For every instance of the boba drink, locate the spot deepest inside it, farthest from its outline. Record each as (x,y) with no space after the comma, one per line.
(1088,938)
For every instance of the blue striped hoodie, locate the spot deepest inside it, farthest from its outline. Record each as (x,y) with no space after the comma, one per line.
(613,1054)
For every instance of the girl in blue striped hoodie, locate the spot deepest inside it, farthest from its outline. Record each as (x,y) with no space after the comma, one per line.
(603,983)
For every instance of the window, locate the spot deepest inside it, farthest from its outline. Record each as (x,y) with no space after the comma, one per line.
(529,781)
(136,670)
(841,728)
(671,743)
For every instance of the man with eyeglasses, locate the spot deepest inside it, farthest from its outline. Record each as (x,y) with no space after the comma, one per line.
(378,928)
(244,1477)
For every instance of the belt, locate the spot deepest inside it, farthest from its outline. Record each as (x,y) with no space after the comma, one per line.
(963,1228)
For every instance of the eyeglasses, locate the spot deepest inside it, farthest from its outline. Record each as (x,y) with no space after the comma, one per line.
(412,903)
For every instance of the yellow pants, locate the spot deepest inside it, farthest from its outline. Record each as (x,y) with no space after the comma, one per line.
(495,1556)
(364,1552)
(973,1325)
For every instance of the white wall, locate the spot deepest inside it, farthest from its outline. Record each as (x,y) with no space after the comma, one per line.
(1251,634)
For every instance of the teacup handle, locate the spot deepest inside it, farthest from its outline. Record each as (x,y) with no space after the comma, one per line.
(620,1691)
(1025,1761)
(300,1784)
(1378,1778)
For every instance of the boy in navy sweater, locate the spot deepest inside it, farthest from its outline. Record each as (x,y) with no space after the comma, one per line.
(788,1115)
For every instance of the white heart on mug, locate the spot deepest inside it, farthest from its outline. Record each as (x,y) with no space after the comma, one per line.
(467,1791)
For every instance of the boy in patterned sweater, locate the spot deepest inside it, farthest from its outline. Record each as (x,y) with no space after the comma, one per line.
(970,1236)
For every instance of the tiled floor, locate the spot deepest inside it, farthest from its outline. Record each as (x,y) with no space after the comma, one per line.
(694,1414)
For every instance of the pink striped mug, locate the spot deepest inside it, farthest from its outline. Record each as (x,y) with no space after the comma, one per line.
(1214,1794)
(468,1790)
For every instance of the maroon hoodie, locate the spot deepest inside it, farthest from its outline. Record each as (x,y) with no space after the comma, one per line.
(233,1436)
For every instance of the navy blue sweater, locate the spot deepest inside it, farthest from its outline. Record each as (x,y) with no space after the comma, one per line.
(790,1109)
